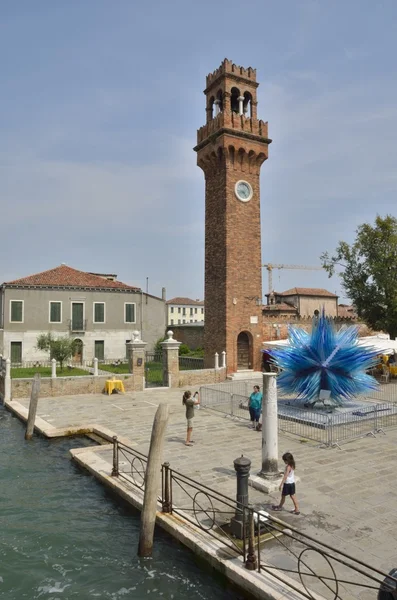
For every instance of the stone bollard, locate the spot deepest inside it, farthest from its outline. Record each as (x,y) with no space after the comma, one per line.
(95,367)
(242,467)
(269,427)
(216,361)
(223,365)
(7,382)
(53,367)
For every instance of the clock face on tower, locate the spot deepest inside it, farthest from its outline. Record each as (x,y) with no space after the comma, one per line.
(243,191)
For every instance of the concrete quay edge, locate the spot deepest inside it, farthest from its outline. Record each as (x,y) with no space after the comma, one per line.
(223,559)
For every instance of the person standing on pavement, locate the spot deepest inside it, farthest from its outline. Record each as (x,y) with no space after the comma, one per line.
(287,485)
(255,407)
(189,403)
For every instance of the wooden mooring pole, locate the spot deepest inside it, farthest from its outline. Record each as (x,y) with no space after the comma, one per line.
(34,398)
(152,481)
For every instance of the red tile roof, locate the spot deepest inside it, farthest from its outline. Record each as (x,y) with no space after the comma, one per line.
(282,306)
(306,292)
(66,277)
(186,301)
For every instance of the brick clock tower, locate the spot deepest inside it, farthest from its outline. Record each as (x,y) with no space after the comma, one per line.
(231,148)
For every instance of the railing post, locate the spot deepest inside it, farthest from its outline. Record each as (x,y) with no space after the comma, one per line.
(216,361)
(95,367)
(166,504)
(251,563)
(115,470)
(329,431)
(53,367)
(231,405)
(7,382)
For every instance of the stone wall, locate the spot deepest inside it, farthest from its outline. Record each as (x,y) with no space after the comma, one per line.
(65,386)
(191,335)
(196,378)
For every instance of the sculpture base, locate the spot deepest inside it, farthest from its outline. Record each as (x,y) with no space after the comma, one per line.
(264,484)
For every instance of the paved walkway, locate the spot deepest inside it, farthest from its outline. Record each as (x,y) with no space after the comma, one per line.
(347,496)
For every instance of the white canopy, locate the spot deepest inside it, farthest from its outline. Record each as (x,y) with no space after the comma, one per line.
(380,342)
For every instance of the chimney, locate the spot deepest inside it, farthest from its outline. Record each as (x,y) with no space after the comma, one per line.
(163,293)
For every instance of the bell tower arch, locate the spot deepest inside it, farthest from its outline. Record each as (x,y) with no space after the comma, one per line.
(231,148)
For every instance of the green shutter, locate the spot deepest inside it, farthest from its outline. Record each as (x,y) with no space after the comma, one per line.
(130,313)
(55,312)
(100,349)
(99,313)
(16,310)
(16,352)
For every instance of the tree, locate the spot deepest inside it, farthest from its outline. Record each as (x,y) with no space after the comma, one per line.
(369,273)
(61,348)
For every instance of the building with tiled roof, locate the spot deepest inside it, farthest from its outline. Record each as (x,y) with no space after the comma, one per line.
(67,277)
(317,292)
(94,308)
(303,302)
(181,311)
(347,311)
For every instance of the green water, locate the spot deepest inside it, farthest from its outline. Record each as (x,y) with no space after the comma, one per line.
(63,536)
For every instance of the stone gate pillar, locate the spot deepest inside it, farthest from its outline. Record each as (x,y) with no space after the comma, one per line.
(136,360)
(170,361)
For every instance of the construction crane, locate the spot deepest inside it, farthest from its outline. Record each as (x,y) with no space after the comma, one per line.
(270,267)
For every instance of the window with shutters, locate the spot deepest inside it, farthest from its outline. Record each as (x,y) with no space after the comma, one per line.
(16,311)
(16,352)
(99,349)
(55,312)
(99,312)
(129,312)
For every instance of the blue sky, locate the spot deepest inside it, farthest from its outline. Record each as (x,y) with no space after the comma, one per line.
(99,109)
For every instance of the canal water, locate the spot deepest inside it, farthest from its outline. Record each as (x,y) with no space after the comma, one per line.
(63,536)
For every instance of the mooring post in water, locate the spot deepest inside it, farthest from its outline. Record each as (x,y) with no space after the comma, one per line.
(152,481)
(7,382)
(34,398)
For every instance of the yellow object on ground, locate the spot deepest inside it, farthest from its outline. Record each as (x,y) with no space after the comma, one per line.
(114,384)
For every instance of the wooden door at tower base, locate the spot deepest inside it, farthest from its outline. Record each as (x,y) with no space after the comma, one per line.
(243,351)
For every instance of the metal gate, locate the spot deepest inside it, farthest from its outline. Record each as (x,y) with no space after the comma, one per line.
(153,369)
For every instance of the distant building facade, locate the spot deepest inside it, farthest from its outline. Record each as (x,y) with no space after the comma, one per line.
(95,309)
(301,302)
(181,311)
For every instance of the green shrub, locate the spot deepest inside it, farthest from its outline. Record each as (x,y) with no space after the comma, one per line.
(158,349)
(183,349)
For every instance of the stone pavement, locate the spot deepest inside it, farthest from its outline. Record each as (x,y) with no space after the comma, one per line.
(347,496)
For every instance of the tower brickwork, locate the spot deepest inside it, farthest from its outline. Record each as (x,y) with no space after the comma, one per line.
(231,148)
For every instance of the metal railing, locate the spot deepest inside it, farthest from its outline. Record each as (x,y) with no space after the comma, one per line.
(29,364)
(326,429)
(190,363)
(266,544)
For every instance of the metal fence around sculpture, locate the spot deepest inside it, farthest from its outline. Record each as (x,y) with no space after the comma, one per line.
(326,429)
(269,546)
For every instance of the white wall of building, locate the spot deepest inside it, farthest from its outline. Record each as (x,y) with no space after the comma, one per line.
(176,316)
(114,344)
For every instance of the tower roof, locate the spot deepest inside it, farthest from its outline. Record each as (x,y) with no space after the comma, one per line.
(228,67)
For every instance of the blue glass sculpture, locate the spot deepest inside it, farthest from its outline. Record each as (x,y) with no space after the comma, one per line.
(325,359)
